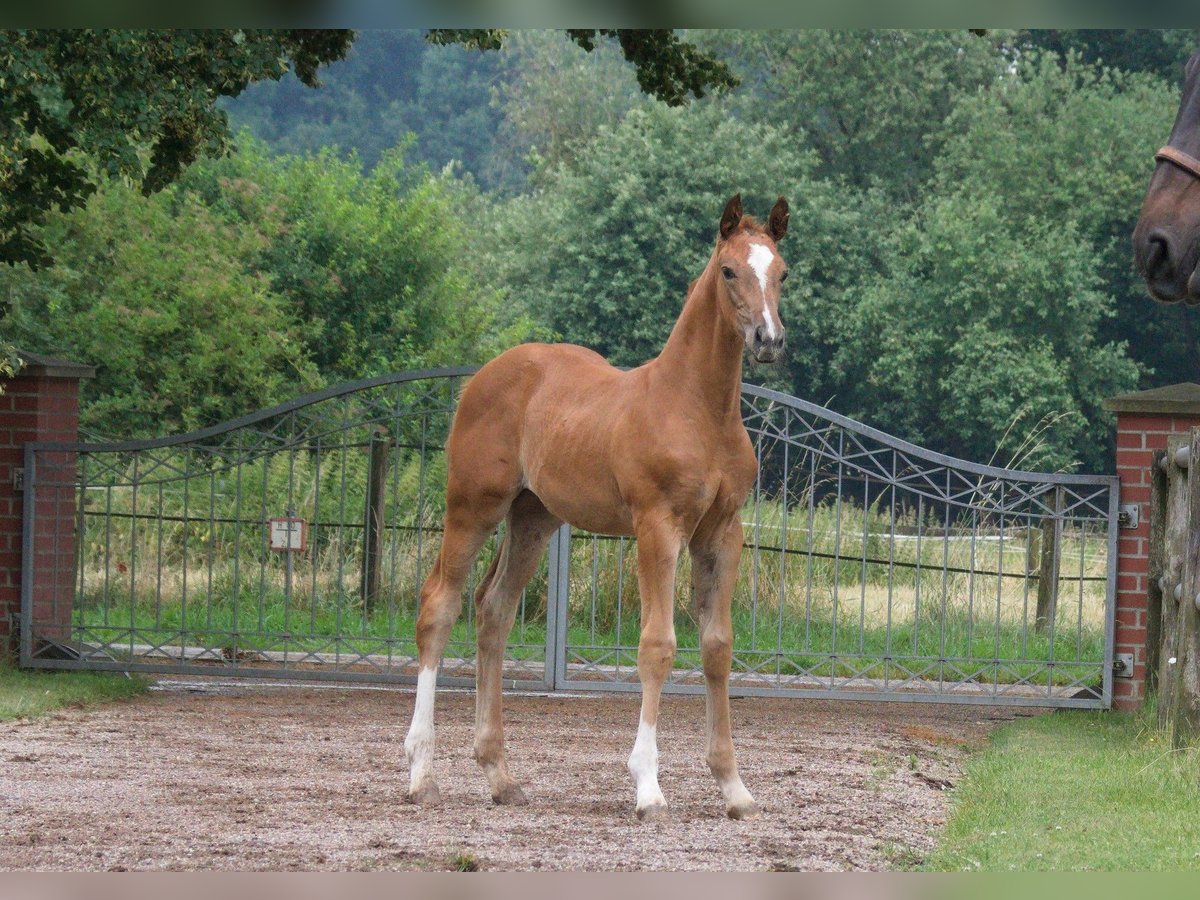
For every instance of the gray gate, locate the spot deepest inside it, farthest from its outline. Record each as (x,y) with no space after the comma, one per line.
(293,542)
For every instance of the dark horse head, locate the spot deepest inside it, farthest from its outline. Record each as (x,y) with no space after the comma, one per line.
(1166,241)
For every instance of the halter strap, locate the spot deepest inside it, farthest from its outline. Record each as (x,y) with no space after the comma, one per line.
(1189,164)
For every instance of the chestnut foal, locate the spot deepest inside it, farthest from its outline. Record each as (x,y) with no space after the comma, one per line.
(546,434)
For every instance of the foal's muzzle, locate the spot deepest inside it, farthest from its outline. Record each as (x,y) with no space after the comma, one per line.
(766,349)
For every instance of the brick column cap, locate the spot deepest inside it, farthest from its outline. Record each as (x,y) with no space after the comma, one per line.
(1180,399)
(38,365)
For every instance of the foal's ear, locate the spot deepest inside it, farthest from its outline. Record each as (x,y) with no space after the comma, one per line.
(777,222)
(731,216)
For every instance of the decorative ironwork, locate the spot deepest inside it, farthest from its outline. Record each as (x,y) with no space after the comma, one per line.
(872,567)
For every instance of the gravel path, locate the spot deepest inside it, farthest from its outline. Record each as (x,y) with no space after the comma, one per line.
(198,775)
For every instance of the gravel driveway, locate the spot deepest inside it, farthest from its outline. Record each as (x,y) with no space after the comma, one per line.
(211,775)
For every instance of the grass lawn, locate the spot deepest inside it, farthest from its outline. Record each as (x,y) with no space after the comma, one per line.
(25,693)
(1076,790)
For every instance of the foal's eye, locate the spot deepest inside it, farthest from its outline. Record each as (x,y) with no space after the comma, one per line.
(784,276)
(727,272)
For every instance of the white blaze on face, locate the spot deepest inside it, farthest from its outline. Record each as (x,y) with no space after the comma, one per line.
(760,260)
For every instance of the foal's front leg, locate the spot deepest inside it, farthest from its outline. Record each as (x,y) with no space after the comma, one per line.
(714,572)
(658,555)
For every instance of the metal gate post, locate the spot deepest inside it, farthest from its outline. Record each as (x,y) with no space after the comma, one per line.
(558,583)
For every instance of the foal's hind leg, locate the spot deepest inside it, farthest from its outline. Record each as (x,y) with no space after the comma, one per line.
(441,601)
(714,570)
(529,528)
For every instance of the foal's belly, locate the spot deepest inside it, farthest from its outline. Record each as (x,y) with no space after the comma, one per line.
(582,494)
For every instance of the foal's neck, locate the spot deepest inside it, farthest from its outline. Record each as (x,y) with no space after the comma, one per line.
(703,355)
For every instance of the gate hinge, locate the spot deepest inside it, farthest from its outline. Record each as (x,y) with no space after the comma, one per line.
(1127,515)
(1123,665)
(18,479)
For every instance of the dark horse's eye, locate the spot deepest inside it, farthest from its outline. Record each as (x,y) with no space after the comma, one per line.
(784,276)
(727,272)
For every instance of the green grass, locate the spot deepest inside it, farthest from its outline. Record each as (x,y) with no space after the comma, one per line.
(24,694)
(805,645)
(1076,791)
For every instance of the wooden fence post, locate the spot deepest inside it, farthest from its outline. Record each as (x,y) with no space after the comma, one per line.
(1047,598)
(1174,541)
(373,522)
(1185,708)
(1033,551)
(1156,567)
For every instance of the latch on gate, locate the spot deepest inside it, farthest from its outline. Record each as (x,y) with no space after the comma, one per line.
(1127,515)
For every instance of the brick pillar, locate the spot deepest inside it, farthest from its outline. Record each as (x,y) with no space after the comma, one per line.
(1144,422)
(40,404)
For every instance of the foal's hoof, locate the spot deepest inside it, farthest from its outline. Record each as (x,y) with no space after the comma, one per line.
(656,813)
(512,795)
(747,810)
(425,794)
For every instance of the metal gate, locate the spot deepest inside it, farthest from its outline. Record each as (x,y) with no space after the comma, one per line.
(292,543)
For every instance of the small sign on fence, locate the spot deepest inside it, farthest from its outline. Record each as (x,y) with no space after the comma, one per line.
(288,534)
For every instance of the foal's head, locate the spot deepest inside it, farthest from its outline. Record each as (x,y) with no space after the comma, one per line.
(752,273)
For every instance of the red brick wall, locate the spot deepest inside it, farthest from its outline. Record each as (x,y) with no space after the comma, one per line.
(38,408)
(1138,436)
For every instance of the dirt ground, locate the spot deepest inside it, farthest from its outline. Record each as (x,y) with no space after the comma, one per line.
(198,775)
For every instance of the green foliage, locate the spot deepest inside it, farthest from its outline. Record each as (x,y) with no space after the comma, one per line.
(1162,52)
(253,279)
(374,264)
(978,322)
(1072,143)
(10,362)
(867,101)
(162,297)
(555,97)
(391,84)
(137,105)
(667,66)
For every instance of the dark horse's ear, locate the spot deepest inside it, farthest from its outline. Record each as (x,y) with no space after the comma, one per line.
(731,216)
(777,223)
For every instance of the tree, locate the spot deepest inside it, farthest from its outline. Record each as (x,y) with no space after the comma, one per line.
(390,84)
(553,97)
(1073,142)
(668,67)
(870,102)
(253,278)
(77,106)
(140,105)
(982,328)
(374,262)
(535,101)
(1160,52)
(162,297)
